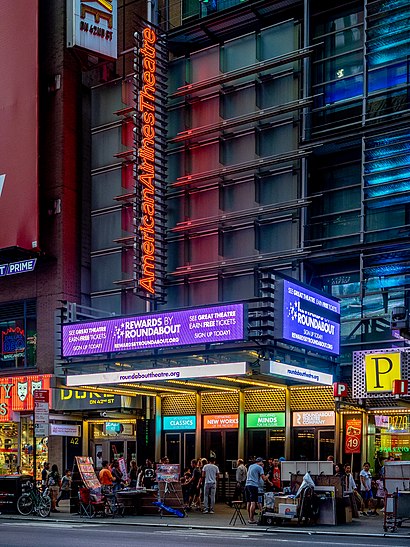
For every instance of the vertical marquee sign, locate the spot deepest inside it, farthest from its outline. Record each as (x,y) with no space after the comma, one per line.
(150,167)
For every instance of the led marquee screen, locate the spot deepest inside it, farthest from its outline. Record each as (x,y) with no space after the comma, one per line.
(307,318)
(175,328)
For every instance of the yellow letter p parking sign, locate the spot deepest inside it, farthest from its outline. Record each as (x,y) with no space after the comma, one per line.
(381,370)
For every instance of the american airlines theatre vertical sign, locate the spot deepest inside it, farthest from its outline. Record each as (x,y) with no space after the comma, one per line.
(150,165)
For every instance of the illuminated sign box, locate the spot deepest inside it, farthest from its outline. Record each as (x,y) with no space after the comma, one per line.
(314,418)
(158,374)
(113,428)
(159,330)
(306,317)
(221,421)
(177,423)
(16,393)
(381,370)
(14,268)
(299,374)
(265,420)
(92,25)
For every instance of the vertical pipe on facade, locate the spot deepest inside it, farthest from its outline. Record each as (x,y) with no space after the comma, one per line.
(288,424)
(241,425)
(364,101)
(365,444)
(158,428)
(362,223)
(305,129)
(198,429)
(336,452)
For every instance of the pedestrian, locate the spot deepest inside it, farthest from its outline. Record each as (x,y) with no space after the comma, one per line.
(195,485)
(255,472)
(44,475)
(118,481)
(65,487)
(273,481)
(240,477)
(380,492)
(106,479)
(339,471)
(146,477)
(366,488)
(210,473)
(54,485)
(185,485)
(133,474)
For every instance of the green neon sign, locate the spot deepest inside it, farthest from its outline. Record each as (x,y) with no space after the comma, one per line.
(265,419)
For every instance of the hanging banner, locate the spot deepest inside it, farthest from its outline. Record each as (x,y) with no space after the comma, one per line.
(353,440)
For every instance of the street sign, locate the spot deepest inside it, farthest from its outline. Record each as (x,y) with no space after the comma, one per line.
(41,412)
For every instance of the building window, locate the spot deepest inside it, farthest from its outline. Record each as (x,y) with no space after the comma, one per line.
(18,334)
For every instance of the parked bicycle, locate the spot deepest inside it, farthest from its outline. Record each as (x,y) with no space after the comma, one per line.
(34,501)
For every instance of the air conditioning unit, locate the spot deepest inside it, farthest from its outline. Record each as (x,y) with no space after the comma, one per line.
(399,318)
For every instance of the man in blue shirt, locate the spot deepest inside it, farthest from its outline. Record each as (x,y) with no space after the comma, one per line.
(255,473)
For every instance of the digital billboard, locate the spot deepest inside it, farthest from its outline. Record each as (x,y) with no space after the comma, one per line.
(306,317)
(18,124)
(175,328)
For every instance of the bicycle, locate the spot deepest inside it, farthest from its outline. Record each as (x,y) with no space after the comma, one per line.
(34,501)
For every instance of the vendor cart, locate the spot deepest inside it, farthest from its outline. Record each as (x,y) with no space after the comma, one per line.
(278,508)
(396,510)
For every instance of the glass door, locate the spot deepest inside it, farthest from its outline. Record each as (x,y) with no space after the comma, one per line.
(326,443)
(173,447)
(189,449)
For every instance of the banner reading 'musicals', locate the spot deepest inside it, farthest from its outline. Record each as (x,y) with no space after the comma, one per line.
(306,317)
(150,168)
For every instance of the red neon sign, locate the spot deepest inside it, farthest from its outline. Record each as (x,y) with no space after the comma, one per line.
(146,153)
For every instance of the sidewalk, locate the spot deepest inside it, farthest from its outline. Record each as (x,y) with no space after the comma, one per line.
(364,526)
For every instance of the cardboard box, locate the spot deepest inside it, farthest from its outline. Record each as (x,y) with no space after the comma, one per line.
(349,514)
(287,510)
(283,499)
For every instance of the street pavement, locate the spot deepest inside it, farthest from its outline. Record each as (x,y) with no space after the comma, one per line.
(363,526)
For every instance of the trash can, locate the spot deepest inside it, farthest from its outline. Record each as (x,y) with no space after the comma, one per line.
(11,488)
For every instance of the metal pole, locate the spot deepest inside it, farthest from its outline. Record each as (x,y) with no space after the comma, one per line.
(34,450)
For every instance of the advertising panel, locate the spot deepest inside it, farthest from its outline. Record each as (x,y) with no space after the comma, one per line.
(307,318)
(265,419)
(158,374)
(19,121)
(353,439)
(381,371)
(221,421)
(168,472)
(177,423)
(314,418)
(16,393)
(159,330)
(92,25)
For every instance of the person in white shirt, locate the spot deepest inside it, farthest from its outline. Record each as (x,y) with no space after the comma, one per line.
(210,473)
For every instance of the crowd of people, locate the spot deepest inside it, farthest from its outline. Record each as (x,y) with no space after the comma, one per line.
(199,483)
(58,486)
(368,494)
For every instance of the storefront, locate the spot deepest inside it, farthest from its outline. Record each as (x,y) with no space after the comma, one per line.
(110,423)
(313,435)
(16,424)
(265,434)
(380,381)
(179,433)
